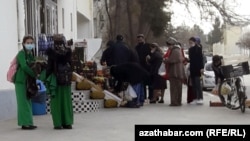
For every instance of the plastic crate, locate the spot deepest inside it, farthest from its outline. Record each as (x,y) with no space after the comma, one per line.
(231,71)
(245,67)
(227,71)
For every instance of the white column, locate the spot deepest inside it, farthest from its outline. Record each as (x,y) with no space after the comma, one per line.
(21,23)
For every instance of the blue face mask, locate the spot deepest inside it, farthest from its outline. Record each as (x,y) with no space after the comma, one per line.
(29,46)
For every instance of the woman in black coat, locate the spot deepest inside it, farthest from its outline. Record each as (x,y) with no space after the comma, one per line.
(159,84)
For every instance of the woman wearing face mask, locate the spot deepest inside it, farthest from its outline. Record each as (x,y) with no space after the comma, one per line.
(196,70)
(159,85)
(24,58)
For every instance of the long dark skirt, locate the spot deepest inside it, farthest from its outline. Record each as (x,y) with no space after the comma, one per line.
(190,94)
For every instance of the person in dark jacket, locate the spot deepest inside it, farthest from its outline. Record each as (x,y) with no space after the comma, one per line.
(131,73)
(106,59)
(120,52)
(216,64)
(198,42)
(143,49)
(196,69)
(159,84)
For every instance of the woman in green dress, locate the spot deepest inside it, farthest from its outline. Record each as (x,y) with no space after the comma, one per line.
(24,107)
(58,82)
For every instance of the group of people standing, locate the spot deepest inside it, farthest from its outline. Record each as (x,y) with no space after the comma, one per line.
(148,58)
(137,66)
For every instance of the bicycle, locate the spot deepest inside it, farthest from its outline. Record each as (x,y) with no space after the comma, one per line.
(232,90)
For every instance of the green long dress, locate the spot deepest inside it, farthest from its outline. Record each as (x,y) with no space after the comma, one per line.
(60,102)
(24,107)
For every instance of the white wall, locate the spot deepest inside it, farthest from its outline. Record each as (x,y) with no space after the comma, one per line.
(82,18)
(232,34)
(85,7)
(83,27)
(69,8)
(85,23)
(9,39)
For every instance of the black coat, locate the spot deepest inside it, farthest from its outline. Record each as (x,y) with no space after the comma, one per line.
(121,53)
(218,73)
(143,50)
(195,60)
(155,62)
(107,57)
(57,58)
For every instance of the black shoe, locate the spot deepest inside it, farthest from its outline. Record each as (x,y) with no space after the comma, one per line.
(152,101)
(58,127)
(134,106)
(67,126)
(161,101)
(30,127)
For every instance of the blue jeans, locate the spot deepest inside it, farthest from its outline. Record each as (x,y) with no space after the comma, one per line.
(139,92)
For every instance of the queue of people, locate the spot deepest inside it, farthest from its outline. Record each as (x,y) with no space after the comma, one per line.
(137,66)
(179,70)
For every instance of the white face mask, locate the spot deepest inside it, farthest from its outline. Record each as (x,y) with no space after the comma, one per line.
(29,46)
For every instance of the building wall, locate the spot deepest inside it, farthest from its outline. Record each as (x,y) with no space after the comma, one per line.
(65,24)
(9,40)
(232,36)
(8,49)
(85,28)
(85,8)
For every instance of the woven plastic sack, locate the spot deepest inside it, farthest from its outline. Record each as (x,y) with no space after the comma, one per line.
(110,103)
(83,85)
(96,94)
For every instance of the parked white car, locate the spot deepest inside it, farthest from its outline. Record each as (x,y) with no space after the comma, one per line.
(208,78)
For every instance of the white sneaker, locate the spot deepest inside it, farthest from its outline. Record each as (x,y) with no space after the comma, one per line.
(193,102)
(199,102)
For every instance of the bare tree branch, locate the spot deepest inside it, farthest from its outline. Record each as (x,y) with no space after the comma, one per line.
(212,7)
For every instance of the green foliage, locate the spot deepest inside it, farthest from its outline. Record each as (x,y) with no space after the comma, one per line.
(216,35)
(153,13)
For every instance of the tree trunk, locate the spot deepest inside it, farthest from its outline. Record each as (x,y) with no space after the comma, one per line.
(130,23)
(110,21)
(143,29)
(117,17)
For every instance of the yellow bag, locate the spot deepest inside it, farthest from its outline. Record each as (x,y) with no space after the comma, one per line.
(73,78)
(96,94)
(84,85)
(110,103)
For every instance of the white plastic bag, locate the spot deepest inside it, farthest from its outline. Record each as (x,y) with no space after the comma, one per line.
(162,69)
(130,93)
